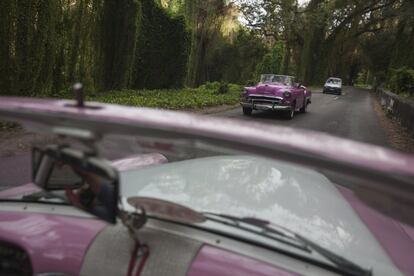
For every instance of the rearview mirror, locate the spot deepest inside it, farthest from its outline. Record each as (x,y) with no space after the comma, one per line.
(87,182)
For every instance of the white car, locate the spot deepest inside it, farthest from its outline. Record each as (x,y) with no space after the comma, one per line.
(333,85)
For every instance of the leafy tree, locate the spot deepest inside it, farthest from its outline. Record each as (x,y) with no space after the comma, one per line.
(235,61)
(324,37)
(272,61)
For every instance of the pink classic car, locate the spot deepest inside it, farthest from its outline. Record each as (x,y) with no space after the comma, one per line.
(276,93)
(137,191)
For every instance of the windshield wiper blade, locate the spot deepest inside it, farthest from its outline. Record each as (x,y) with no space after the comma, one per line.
(38,195)
(265,231)
(349,267)
(345,266)
(262,224)
(21,200)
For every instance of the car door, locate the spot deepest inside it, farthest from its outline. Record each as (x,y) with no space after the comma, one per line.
(299,95)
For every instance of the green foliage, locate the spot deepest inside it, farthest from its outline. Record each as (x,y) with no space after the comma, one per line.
(224,88)
(7,11)
(41,49)
(402,53)
(219,47)
(340,38)
(362,77)
(162,49)
(118,33)
(28,45)
(210,85)
(187,98)
(272,61)
(236,61)
(402,81)
(145,44)
(377,52)
(251,82)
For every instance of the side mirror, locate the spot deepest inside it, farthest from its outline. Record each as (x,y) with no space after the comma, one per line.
(87,182)
(298,84)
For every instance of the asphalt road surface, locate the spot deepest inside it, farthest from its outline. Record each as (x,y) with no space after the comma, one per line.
(350,115)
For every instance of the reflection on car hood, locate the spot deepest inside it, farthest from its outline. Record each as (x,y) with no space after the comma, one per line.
(302,200)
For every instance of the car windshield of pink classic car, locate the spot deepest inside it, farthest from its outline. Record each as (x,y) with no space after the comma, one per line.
(280,79)
(167,181)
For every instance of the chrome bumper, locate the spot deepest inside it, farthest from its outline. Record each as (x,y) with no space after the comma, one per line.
(265,106)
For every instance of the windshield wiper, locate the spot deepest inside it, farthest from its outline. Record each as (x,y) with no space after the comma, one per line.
(262,224)
(37,197)
(289,237)
(246,225)
(347,266)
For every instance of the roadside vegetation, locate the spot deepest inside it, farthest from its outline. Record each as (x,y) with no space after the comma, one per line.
(402,82)
(210,94)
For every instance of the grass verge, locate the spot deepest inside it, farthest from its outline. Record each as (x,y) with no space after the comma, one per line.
(186,98)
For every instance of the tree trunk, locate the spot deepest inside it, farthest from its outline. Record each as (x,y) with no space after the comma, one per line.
(286,58)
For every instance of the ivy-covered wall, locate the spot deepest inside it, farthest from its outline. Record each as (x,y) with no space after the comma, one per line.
(162,49)
(119,30)
(46,45)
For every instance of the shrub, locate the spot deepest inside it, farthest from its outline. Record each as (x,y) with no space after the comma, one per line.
(402,81)
(224,88)
(251,82)
(211,85)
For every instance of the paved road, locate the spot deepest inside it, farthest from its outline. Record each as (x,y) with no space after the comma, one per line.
(350,116)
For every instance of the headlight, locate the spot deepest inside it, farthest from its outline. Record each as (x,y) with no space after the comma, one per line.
(287,94)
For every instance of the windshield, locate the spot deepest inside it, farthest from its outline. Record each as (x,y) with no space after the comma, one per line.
(280,79)
(224,106)
(334,81)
